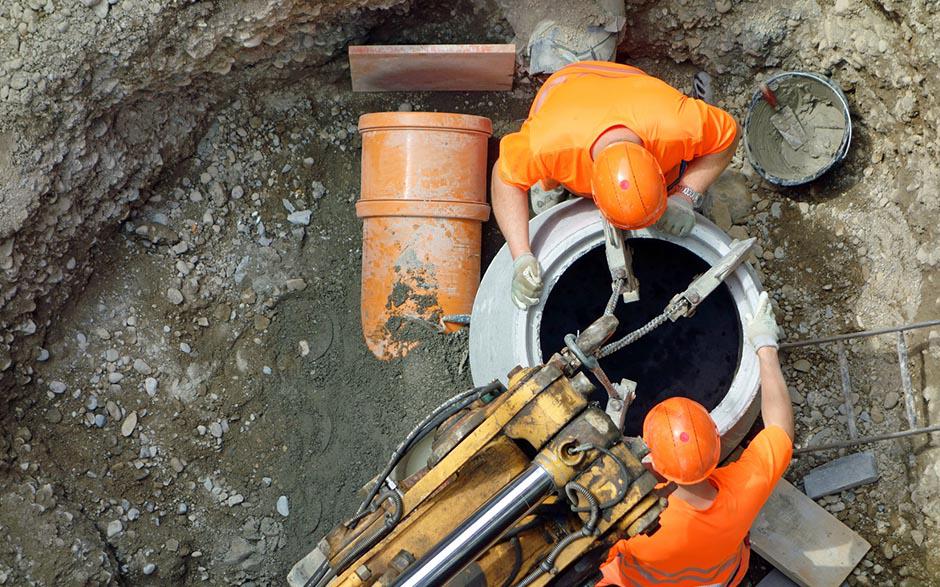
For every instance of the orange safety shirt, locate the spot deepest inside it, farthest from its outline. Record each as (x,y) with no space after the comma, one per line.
(582,100)
(705,547)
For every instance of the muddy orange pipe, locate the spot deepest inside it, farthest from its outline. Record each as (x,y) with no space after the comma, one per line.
(422,206)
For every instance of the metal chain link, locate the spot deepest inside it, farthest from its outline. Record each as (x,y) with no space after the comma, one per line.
(612,303)
(633,336)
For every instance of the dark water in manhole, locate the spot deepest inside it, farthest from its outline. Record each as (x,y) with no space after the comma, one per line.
(693,357)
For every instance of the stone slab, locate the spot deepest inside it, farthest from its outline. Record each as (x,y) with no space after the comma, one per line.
(776,579)
(804,541)
(404,68)
(841,474)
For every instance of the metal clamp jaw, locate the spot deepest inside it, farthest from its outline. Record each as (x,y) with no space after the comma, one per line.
(684,304)
(620,262)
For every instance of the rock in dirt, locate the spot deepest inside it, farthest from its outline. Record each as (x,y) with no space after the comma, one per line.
(174,296)
(282,507)
(238,552)
(150,386)
(731,188)
(891,399)
(803,366)
(301,217)
(130,423)
(57,387)
(142,367)
(149,568)
(115,527)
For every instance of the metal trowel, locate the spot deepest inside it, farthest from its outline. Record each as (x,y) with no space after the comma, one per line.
(784,120)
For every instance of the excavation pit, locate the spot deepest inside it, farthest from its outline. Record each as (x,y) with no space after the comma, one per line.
(694,357)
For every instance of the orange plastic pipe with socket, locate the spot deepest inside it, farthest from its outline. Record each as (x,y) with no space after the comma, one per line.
(422,206)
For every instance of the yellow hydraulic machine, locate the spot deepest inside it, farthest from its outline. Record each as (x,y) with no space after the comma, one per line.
(523,486)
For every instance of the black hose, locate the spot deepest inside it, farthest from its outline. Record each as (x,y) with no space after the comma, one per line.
(516,563)
(588,529)
(326,572)
(621,493)
(420,431)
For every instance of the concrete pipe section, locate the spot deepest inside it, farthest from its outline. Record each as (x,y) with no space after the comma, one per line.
(698,357)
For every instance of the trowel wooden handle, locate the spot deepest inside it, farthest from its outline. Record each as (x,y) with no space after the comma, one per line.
(769,95)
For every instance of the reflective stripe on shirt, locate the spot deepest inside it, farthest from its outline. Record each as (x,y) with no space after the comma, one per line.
(638,575)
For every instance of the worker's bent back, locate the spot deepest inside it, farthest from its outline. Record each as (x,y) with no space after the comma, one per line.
(694,547)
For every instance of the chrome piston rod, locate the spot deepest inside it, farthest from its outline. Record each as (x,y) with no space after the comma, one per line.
(480,531)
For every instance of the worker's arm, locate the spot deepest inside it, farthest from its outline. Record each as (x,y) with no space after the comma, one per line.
(702,172)
(511,208)
(763,332)
(775,405)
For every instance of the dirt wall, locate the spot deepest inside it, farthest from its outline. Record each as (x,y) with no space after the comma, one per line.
(97,97)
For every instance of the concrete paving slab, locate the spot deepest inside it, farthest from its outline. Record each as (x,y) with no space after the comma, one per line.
(776,579)
(399,68)
(841,474)
(804,541)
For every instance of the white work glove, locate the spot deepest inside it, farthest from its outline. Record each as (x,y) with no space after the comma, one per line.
(761,328)
(679,218)
(526,281)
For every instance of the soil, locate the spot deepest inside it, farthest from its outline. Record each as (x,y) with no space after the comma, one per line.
(260,386)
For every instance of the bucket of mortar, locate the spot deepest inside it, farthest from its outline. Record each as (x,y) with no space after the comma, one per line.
(822,110)
(422,205)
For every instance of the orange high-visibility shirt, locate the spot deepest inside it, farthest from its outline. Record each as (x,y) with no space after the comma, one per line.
(705,547)
(582,100)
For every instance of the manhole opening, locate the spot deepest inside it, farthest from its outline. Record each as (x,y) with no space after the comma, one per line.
(694,357)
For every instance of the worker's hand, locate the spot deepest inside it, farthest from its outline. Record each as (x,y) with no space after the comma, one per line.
(541,199)
(526,281)
(679,218)
(761,328)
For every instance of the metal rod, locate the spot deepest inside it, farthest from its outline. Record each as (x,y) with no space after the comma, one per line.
(862,334)
(480,531)
(847,392)
(906,382)
(867,439)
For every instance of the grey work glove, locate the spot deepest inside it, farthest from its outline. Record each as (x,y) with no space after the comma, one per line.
(679,218)
(526,281)
(761,328)
(541,199)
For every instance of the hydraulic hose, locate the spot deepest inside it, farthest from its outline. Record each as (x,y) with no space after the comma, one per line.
(587,530)
(621,493)
(326,572)
(441,413)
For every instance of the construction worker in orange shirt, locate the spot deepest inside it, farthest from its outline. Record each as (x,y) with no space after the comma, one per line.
(703,534)
(641,149)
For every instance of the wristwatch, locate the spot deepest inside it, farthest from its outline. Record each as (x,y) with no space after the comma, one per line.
(695,198)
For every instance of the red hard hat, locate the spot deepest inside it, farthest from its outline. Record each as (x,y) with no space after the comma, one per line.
(628,186)
(683,440)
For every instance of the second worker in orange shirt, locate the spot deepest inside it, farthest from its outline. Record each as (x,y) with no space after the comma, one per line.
(644,152)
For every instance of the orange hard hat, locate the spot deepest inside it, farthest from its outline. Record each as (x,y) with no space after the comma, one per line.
(683,440)
(628,186)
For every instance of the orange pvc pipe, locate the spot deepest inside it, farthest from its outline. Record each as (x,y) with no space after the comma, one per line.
(422,206)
